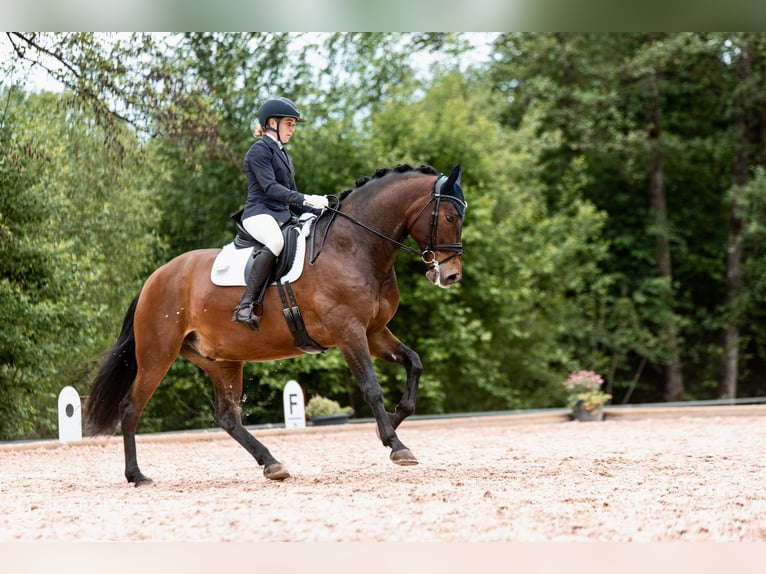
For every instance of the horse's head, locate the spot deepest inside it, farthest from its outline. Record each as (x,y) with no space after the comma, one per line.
(433,221)
(439,236)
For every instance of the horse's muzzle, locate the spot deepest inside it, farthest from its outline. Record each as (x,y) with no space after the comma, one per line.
(436,276)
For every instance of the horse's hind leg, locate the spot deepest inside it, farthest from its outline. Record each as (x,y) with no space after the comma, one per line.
(158,341)
(132,406)
(227,382)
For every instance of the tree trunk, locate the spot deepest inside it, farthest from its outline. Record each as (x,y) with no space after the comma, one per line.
(735,253)
(674,384)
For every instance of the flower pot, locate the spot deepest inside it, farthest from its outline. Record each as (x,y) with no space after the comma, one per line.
(580,413)
(336,419)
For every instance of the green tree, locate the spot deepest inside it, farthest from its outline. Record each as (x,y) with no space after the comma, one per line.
(72,222)
(642,113)
(747,53)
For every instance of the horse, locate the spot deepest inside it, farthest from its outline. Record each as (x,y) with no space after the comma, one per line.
(347,295)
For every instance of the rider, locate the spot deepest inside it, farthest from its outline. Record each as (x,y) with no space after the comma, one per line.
(272,199)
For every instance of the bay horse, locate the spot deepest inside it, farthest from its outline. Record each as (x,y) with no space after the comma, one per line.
(347,295)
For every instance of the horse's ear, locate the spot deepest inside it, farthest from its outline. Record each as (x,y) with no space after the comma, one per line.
(451,190)
(454,177)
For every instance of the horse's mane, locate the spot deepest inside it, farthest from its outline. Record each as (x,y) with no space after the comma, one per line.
(383,171)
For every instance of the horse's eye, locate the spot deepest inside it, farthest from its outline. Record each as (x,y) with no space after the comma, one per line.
(450,218)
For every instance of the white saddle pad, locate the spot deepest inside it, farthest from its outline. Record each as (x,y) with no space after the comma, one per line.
(229,266)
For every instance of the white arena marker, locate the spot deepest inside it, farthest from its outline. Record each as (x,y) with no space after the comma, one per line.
(70,415)
(295,410)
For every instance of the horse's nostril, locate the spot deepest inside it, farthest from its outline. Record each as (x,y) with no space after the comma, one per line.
(454,278)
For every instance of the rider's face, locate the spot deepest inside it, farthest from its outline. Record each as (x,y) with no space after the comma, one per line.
(286,128)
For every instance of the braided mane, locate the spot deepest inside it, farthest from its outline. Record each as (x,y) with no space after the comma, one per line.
(383,171)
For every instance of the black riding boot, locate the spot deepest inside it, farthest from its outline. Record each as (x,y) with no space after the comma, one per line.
(263,261)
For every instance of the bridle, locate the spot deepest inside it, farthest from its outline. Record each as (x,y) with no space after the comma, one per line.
(428,254)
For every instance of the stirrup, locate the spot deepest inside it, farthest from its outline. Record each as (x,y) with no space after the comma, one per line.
(244,314)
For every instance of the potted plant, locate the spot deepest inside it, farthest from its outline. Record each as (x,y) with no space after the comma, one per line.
(585,397)
(324,411)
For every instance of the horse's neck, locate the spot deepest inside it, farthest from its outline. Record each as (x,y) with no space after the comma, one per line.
(387,211)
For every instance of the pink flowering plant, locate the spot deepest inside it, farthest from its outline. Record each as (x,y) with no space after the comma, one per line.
(584,389)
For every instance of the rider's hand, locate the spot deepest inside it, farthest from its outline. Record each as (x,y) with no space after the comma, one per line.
(316,201)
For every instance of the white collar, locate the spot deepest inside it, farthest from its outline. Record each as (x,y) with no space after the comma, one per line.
(272,136)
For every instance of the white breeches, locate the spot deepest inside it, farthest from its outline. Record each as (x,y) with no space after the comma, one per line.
(265,229)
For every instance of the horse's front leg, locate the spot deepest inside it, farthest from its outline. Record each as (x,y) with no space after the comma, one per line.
(385,346)
(359,361)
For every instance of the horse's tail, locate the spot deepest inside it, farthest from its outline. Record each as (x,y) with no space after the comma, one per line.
(113,380)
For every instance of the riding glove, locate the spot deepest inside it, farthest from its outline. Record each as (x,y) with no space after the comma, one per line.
(316,201)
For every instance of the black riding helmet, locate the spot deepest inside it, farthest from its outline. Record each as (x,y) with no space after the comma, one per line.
(278,108)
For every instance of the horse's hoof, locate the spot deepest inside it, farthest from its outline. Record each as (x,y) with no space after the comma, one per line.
(404,457)
(142,480)
(276,471)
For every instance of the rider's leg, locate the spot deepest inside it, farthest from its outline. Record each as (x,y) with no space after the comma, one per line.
(265,229)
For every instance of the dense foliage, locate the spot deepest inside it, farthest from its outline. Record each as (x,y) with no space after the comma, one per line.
(616,189)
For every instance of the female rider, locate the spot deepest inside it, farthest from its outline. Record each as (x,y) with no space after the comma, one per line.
(272,199)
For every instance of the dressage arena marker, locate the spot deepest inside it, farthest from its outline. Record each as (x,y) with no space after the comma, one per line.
(295,410)
(70,415)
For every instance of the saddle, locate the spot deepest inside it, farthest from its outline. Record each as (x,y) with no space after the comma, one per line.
(233,264)
(290,232)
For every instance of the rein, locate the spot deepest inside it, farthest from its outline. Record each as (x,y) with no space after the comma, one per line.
(335,212)
(428,255)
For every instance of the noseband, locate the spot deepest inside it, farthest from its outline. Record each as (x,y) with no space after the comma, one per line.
(427,255)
